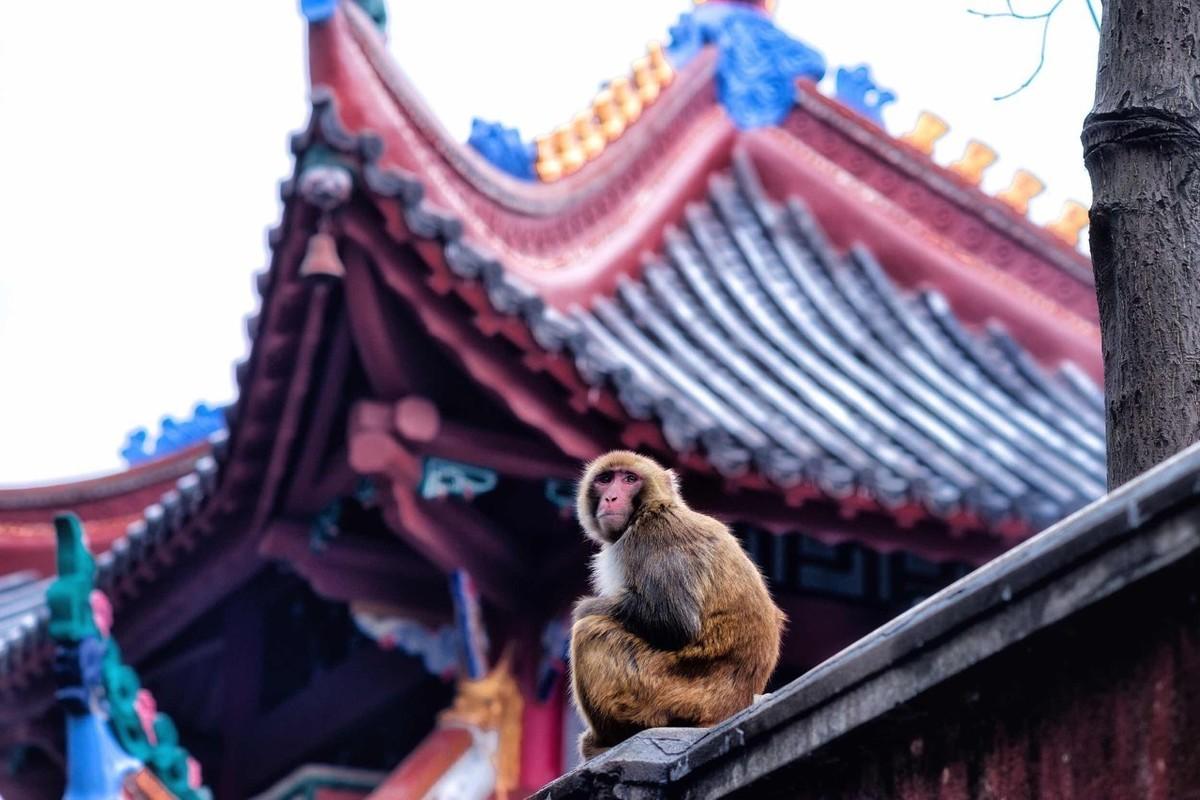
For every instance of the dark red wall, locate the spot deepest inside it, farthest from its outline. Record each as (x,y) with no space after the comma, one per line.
(1104,707)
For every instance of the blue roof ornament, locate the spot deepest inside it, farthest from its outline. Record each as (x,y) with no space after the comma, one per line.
(97,767)
(317,10)
(320,10)
(502,146)
(174,435)
(757,66)
(856,89)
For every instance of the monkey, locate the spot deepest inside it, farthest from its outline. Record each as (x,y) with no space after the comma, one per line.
(682,630)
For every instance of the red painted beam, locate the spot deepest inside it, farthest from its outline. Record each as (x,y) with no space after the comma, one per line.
(424,766)
(542,735)
(531,400)
(418,421)
(353,568)
(320,473)
(450,534)
(300,385)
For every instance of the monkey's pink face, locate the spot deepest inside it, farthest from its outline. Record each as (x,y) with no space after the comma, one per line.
(616,493)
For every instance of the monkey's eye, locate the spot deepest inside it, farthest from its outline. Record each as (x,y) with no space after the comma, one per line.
(605,477)
(630,477)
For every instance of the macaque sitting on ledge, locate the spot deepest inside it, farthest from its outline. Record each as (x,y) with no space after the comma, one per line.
(682,630)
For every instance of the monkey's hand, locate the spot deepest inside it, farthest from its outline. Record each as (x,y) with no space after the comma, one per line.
(593,606)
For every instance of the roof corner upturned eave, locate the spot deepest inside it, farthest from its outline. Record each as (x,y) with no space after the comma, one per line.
(569,239)
(107,504)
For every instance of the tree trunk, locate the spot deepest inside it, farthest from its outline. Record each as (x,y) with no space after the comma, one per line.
(1142,149)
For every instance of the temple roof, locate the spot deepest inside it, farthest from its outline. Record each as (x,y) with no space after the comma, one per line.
(733,298)
(823,306)
(750,336)
(571,239)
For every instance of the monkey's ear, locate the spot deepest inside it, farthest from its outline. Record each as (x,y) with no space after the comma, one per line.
(674,479)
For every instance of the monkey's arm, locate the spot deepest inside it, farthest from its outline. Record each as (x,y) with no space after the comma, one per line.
(660,602)
(588,606)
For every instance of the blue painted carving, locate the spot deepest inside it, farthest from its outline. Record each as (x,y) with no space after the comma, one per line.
(443,478)
(561,494)
(174,435)
(438,649)
(325,527)
(78,673)
(107,711)
(556,648)
(97,767)
(502,146)
(856,89)
(757,64)
(468,619)
(365,493)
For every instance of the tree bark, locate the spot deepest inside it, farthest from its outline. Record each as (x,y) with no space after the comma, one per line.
(1142,149)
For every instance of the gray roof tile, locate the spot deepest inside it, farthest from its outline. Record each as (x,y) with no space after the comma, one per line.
(752,326)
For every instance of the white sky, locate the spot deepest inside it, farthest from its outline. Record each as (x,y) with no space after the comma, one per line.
(143,141)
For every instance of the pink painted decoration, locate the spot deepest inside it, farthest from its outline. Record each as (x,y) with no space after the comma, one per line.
(195,778)
(146,708)
(102,612)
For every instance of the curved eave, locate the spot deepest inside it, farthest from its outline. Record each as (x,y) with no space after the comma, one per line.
(577,238)
(224,499)
(105,488)
(132,556)
(569,239)
(107,505)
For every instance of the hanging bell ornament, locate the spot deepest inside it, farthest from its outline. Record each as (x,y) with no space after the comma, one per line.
(321,257)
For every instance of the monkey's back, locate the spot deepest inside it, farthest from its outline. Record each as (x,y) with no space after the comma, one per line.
(742,626)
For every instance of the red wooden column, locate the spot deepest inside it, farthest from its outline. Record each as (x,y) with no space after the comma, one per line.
(541,732)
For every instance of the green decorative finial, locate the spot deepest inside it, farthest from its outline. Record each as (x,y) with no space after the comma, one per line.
(128,709)
(69,597)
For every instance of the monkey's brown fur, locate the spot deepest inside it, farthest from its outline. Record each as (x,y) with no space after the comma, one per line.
(682,630)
